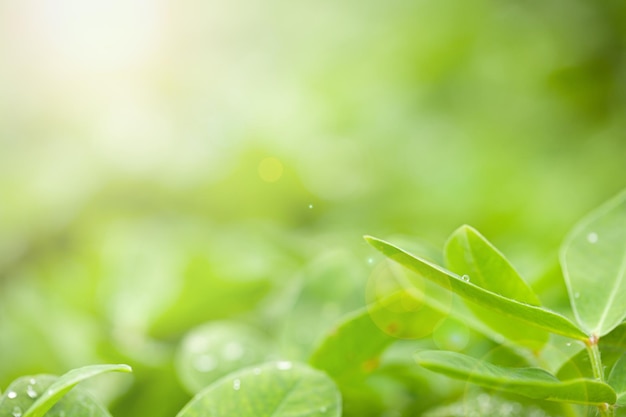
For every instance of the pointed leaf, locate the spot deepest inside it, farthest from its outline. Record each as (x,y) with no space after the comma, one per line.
(534,383)
(277,389)
(25,391)
(533,315)
(469,254)
(593,258)
(65,383)
(617,379)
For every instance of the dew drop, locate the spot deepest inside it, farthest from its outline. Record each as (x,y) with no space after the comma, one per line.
(233,351)
(205,363)
(17,412)
(370,261)
(32,381)
(284,365)
(310,206)
(592,237)
(12,394)
(568,344)
(465,278)
(30,391)
(236,384)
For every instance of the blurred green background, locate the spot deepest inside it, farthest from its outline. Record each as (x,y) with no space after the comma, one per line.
(165,164)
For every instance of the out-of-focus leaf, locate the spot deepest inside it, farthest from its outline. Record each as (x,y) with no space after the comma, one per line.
(352,348)
(206,296)
(277,389)
(534,383)
(215,349)
(469,254)
(65,383)
(529,314)
(593,258)
(617,379)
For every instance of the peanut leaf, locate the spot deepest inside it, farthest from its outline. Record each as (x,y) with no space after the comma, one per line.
(276,389)
(593,258)
(469,254)
(65,383)
(529,314)
(533,383)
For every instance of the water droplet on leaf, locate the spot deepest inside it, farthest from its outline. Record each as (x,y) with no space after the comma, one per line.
(12,394)
(465,278)
(30,391)
(236,384)
(310,206)
(592,237)
(17,412)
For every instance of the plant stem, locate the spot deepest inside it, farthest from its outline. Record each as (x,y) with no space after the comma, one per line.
(606,410)
(594,358)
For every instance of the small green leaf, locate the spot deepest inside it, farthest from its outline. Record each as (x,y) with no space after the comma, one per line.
(65,383)
(533,315)
(352,348)
(215,349)
(278,389)
(25,391)
(534,383)
(617,379)
(593,258)
(469,254)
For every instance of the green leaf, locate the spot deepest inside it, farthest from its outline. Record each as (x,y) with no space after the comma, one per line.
(612,347)
(593,258)
(617,379)
(65,383)
(534,383)
(25,391)
(352,349)
(533,315)
(277,389)
(469,254)
(218,348)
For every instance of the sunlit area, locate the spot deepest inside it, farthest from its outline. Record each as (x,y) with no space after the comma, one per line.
(185,185)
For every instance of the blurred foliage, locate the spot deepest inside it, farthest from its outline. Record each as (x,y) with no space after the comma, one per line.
(166,164)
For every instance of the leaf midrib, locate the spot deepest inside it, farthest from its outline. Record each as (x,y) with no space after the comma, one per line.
(613,293)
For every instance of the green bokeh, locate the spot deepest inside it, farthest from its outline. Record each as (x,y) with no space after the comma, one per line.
(134,204)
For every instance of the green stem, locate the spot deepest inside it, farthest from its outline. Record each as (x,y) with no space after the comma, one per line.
(594,358)
(606,410)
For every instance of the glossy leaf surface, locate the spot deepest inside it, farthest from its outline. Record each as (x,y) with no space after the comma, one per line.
(469,254)
(23,393)
(529,314)
(65,383)
(593,258)
(277,389)
(534,383)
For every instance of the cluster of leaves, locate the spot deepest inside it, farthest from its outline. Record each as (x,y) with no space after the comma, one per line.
(531,360)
